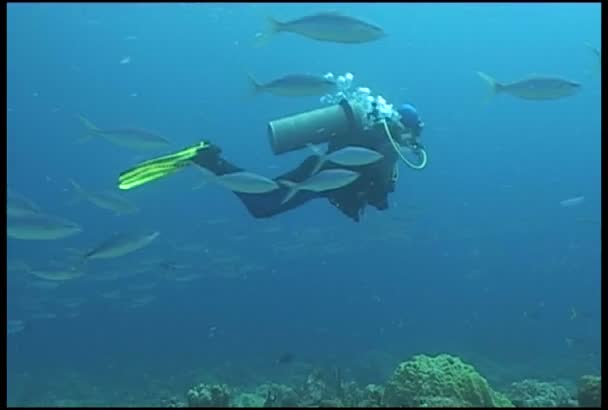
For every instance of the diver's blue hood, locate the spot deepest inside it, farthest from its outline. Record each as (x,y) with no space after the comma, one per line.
(409,116)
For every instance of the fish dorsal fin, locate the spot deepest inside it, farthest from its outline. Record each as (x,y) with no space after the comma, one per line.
(320,158)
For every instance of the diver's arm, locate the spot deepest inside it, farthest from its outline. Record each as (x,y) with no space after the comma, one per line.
(376,180)
(372,187)
(384,184)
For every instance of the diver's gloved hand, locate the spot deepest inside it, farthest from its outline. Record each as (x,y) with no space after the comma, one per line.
(208,157)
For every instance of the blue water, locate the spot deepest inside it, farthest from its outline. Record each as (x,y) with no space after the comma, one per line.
(475,256)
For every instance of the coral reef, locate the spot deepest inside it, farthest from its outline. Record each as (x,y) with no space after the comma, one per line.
(268,395)
(209,395)
(172,402)
(372,396)
(248,400)
(441,380)
(320,389)
(323,388)
(352,395)
(278,395)
(534,393)
(422,381)
(315,389)
(590,391)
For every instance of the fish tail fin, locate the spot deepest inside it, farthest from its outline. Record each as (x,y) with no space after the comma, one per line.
(80,261)
(274,27)
(292,189)
(27,269)
(321,158)
(495,86)
(255,86)
(77,258)
(22,266)
(91,129)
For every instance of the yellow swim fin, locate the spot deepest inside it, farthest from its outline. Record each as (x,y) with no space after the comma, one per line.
(159,167)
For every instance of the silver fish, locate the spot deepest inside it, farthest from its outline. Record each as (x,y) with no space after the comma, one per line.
(348,156)
(294,85)
(40,227)
(242,181)
(327,26)
(121,244)
(106,200)
(19,205)
(534,88)
(247,182)
(59,275)
(128,137)
(570,202)
(323,181)
(14,326)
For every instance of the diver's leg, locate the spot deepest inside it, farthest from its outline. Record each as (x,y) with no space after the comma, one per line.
(267,204)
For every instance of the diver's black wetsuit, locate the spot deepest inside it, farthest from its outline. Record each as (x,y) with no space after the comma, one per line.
(372,187)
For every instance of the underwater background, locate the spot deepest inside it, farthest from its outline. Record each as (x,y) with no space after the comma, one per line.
(476,257)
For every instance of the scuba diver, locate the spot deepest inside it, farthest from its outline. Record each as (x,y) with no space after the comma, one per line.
(355,123)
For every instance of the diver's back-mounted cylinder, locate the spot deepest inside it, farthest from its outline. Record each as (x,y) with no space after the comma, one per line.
(313,127)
